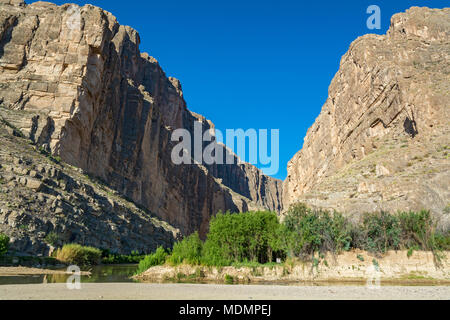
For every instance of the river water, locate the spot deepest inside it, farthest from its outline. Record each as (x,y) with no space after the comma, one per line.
(122,274)
(99,274)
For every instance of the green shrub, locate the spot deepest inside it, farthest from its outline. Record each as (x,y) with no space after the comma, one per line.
(52,239)
(308,231)
(212,255)
(189,250)
(417,229)
(411,231)
(419,232)
(382,232)
(4,244)
(79,255)
(250,236)
(442,241)
(155,259)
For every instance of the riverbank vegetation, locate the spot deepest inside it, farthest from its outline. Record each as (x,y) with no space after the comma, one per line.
(259,238)
(78,255)
(4,244)
(86,256)
(68,254)
(155,259)
(114,258)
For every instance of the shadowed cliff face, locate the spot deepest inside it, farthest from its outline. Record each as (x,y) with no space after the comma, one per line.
(83,90)
(381,140)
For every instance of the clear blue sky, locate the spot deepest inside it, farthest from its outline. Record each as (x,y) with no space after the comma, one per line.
(253,64)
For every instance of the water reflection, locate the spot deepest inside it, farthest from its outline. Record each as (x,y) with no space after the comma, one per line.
(123,273)
(99,274)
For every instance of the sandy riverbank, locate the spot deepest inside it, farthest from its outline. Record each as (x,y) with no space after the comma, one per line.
(25,271)
(133,291)
(394,266)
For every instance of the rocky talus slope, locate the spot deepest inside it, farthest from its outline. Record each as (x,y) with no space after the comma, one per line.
(73,81)
(382,140)
(40,197)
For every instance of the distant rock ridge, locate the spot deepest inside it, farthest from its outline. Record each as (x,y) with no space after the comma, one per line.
(80,88)
(382,139)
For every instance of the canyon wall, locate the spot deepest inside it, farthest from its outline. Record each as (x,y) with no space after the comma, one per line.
(80,88)
(74,82)
(382,139)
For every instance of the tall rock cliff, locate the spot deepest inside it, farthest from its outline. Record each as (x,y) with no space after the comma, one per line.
(73,80)
(382,140)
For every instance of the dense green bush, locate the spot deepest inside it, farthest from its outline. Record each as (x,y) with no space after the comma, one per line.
(212,254)
(189,251)
(310,231)
(382,231)
(155,259)
(4,244)
(79,255)
(250,236)
(442,240)
(417,229)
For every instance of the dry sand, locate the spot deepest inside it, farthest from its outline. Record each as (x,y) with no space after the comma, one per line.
(135,291)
